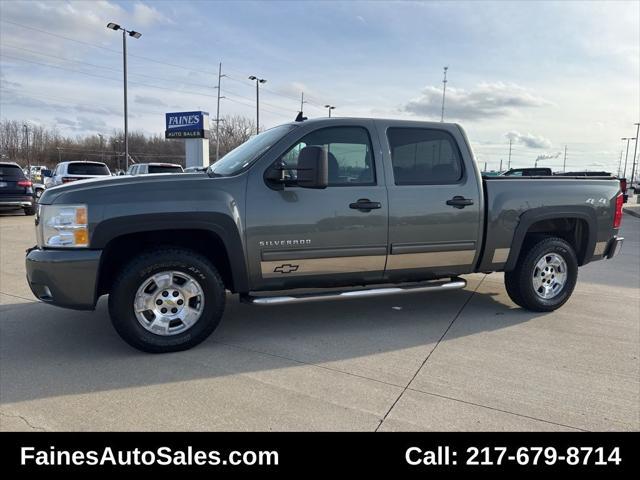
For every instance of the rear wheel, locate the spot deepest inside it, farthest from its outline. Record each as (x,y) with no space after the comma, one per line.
(167,300)
(545,275)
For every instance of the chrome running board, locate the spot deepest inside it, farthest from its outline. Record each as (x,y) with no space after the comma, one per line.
(453,284)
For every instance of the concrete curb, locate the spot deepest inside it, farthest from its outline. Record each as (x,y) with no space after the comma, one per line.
(634,212)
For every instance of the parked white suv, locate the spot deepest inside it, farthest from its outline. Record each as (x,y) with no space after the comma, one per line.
(66,172)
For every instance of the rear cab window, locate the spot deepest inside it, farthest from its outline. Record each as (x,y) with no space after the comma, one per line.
(11,172)
(87,169)
(423,156)
(165,169)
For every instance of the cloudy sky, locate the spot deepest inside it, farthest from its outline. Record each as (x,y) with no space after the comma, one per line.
(543,74)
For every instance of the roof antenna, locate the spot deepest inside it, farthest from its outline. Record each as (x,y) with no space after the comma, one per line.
(300,118)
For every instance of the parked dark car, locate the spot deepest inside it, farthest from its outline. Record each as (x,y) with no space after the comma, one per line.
(16,190)
(528,172)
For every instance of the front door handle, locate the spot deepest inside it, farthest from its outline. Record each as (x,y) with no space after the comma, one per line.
(459,202)
(365,205)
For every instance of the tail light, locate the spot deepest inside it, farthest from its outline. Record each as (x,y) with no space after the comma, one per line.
(623,185)
(24,183)
(617,216)
(68,179)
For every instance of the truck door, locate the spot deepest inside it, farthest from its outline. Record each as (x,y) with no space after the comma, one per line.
(434,203)
(300,237)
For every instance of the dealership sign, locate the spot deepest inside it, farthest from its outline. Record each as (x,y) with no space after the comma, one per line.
(187,125)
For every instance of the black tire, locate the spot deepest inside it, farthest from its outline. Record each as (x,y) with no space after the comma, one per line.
(132,276)
(519,281)
(29,211)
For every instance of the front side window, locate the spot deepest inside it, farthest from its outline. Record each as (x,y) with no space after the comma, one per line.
(424,156)
(349,154)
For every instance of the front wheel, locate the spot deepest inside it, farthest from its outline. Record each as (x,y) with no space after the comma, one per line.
(166,300)
(545,275)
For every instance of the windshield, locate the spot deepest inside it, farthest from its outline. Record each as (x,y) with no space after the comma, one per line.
(244,155)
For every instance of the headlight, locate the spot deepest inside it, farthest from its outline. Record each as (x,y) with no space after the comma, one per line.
(64,225)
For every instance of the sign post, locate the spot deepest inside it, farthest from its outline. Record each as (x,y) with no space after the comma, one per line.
(193,128)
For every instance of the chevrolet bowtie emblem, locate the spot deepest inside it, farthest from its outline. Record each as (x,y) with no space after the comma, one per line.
(286,268)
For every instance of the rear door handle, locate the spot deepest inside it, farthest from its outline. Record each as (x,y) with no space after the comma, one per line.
(365,204)
(459,202)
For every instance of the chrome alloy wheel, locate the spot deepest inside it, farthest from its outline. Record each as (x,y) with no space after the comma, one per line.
(549,276)
(168,303)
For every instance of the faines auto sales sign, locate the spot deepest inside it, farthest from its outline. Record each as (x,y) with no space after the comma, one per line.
(187,125)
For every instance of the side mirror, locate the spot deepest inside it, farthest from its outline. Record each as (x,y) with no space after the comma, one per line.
(313,167)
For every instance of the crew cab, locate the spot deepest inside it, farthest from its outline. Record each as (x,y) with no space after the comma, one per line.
(354,204)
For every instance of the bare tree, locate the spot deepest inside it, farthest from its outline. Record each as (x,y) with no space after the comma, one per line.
(234,131)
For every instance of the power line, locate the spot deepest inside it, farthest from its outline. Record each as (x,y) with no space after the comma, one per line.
(65,59)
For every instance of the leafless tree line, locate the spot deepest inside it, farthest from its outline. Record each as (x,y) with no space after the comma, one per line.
(39,145)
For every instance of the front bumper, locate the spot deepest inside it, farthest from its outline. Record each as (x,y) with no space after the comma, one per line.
(614,247)
(66,278)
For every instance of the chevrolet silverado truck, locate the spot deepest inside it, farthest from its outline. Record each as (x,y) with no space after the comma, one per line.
(314,210)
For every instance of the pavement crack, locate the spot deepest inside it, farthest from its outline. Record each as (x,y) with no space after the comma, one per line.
(496,409)
(24,419)
(444,334)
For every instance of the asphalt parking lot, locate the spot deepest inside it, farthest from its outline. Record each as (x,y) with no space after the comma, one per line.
(460,360)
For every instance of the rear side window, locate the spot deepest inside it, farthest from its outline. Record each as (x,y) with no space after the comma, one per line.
(87,169)
(424,156)
(11,172)
(164,169)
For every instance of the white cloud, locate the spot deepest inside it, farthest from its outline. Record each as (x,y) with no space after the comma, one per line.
(529,140)
(147,100)
(486,100)
(145,15)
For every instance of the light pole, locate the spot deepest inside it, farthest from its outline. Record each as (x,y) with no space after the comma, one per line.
(258,82)
(329,107)
(134,34)
(635,150)
(624,172)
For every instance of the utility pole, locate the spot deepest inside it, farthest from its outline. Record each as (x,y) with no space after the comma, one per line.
(500,166)
(220,75)
(620,163)
(509,162)
(258,82)
(564,162)
(444,90)
(101,147)
(624,172)
(635,150)
(26,139)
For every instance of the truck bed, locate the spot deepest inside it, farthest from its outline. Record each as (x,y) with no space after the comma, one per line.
(512,201)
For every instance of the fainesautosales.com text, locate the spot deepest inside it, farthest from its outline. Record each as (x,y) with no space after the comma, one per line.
(145,457)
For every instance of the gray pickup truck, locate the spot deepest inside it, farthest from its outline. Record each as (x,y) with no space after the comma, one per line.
(364,206)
